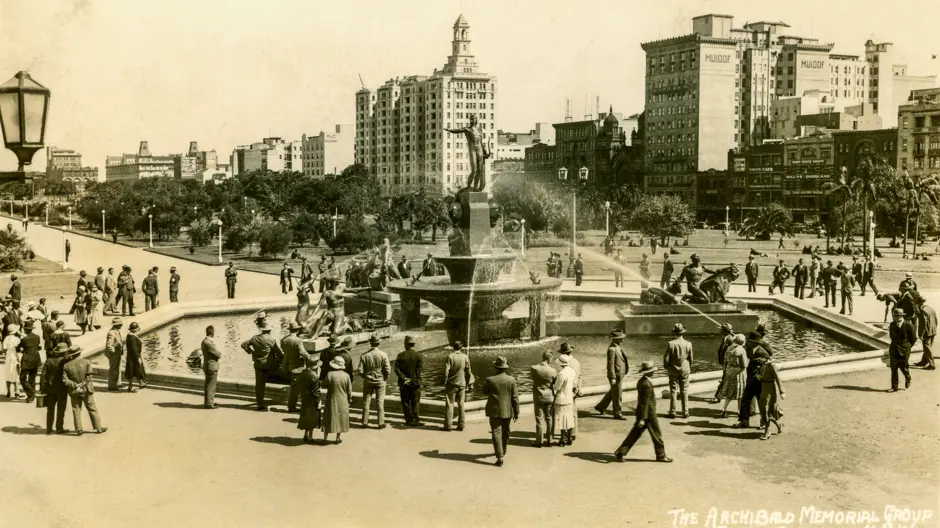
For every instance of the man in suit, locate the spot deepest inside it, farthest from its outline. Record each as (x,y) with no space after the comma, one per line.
(780,274)
(29,346)
(287,275)
(231,278)
(646,419)
(644,272)
(60,335)
(110,287)
(408,371)
(868,275)
(800,276)
(260,347)
(151,288)
(678,363)
(908,282)
(578,270)
(903,335)
(502,404)
(829,275)
(174,285)
(99,279)
(429,267)
(48,328)
(620,263)
(404,267)
(16,289)
(857,270)
(668,270)
(813,275)
(374,367)
(295,361)
(54,388)
(457,379)
(127,296)
(928,330)
(210,366)
(846,283)
(617,367)
(751,271)
(322,267)
(76,375)
(114,350)
(543,394)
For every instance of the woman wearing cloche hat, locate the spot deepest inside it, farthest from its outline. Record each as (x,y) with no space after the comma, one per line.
(338,400)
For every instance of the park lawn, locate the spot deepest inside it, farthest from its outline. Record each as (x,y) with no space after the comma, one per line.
(43,278)
(141,242)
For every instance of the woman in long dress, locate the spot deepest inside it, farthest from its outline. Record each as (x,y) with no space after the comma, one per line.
(735,374)
(93,318)
(771,388)
(81,311)
(338,400)
(309,385)
(11,369)
(564,400)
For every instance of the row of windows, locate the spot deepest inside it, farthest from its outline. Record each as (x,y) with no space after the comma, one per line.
(673,138)
(921,121)
(933,162)
(659,98)
(673,110)
(665,125)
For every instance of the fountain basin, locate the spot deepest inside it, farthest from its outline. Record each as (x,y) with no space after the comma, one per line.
(479,269)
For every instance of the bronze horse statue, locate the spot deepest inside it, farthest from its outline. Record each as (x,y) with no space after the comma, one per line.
(715,286)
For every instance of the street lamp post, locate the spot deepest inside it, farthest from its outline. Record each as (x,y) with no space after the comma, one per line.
(335,217)
(871,222)
(522,245)
(70,218)
(47,213)
(220,241)
(582,176)
(727,219)
(26,210)
(24,107)
(150,220)
(607,218)
(103,230)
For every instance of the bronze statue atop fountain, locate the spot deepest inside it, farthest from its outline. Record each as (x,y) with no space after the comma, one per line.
(478,153)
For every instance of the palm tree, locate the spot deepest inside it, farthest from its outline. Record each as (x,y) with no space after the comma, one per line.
(845,190)
(767,220)
(870,174)
(925,188)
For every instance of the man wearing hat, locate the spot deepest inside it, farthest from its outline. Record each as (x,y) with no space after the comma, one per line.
(457,379)
(16,289)
(780,274)
(174,285)
(829,276)
(646,419)
(127,292)
(31,360)
(151,289)
(846,283)
(617,367)
(668,269)
(578,270)
(908,282)
(543,395)
(756,356)
(928,330)
(374,367)
(903,335)
(408,371)
(110,288)
(751,271)
(260,348)
(857,269)
(76,375)
(13,315)
(404,267)
(800,276)
(210,366)
(327,355)
(814,265)
(99,278)
(114,350)
(868,274)
(60,335)
(231,278)
(502,404)
(287,278)
(566,350)
(48,328)
(295,360)
(678,364)
(134,366)
(54,388)
(429,267)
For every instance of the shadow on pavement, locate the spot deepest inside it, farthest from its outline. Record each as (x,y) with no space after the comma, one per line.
(854,388)
(286,441)
(181,405)
(459,457)
(701,424)
(33,429)
(600,458)
(750,434)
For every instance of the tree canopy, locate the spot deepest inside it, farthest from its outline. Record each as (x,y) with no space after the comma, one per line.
(662,216)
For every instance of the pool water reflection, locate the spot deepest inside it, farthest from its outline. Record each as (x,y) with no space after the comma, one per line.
(167,348)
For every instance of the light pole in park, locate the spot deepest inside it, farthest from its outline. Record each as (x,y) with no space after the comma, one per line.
(522,245)
(70,218)
(871,222)
(26,211)
(582,176)
(335,217)
(220,240)
(607,218)
(103,230)
(195,212)
(150,221)
(24,107)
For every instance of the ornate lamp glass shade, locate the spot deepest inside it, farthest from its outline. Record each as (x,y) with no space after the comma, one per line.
(24,107)
(583,173)
(563,173)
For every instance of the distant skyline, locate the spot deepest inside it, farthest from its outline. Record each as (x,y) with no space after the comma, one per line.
(228,73)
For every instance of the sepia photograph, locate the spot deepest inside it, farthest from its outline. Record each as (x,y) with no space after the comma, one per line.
(296,263)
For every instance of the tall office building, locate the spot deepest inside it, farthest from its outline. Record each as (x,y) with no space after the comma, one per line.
(400,127)
(141,165)
(712,90)
(328,153)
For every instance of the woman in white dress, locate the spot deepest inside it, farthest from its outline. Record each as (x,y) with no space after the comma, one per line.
(735,374)
(11,369)
(95,313)
(564,400)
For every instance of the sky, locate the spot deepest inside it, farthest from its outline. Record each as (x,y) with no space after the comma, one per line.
(230,72)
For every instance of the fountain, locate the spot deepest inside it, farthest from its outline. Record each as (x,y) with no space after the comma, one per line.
(474,295)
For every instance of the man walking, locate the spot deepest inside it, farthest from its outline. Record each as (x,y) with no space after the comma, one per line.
(618,268)
(31,360)
(751,270)
(374,368)
(903,337)
(457,378)
(48,328)
(99,279)
(668,270)
(543,394)
(752,385)
(800,276)
(857,270)
(678,363)
(780,274)
(408,371)
(928,331)
(260,347)
(295,361)
(646,419)
(231,277)
(16,289)
(502,404)
(306,270)
(150,288)
(113,350)
(174,285)
(578,270)
(68,250)
(617,367)
(210,366)
(287,275)
(868,275)
(76,375)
